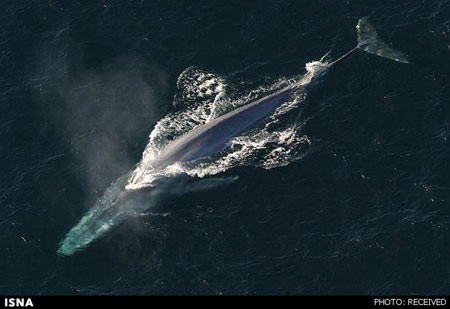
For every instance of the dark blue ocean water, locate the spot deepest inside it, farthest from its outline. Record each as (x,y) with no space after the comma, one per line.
(82,83)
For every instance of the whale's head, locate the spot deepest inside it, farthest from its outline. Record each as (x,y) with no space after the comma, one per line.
(116,205)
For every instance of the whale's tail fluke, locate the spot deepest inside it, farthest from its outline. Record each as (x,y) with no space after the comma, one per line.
(369,41)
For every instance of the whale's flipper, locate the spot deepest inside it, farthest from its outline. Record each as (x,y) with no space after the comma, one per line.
(209,183)
(369,41)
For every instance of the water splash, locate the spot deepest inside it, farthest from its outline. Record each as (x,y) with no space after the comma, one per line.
(202,98)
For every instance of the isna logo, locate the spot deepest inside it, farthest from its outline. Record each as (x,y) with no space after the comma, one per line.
(11,302)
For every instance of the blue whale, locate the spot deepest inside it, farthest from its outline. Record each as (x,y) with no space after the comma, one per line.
(117,204)
(213,137)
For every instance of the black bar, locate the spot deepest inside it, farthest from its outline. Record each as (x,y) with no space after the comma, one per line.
(276,301)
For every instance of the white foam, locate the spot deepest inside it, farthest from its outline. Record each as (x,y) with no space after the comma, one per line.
(203,98)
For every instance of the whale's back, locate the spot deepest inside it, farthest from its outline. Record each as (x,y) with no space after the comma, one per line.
(212,137)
